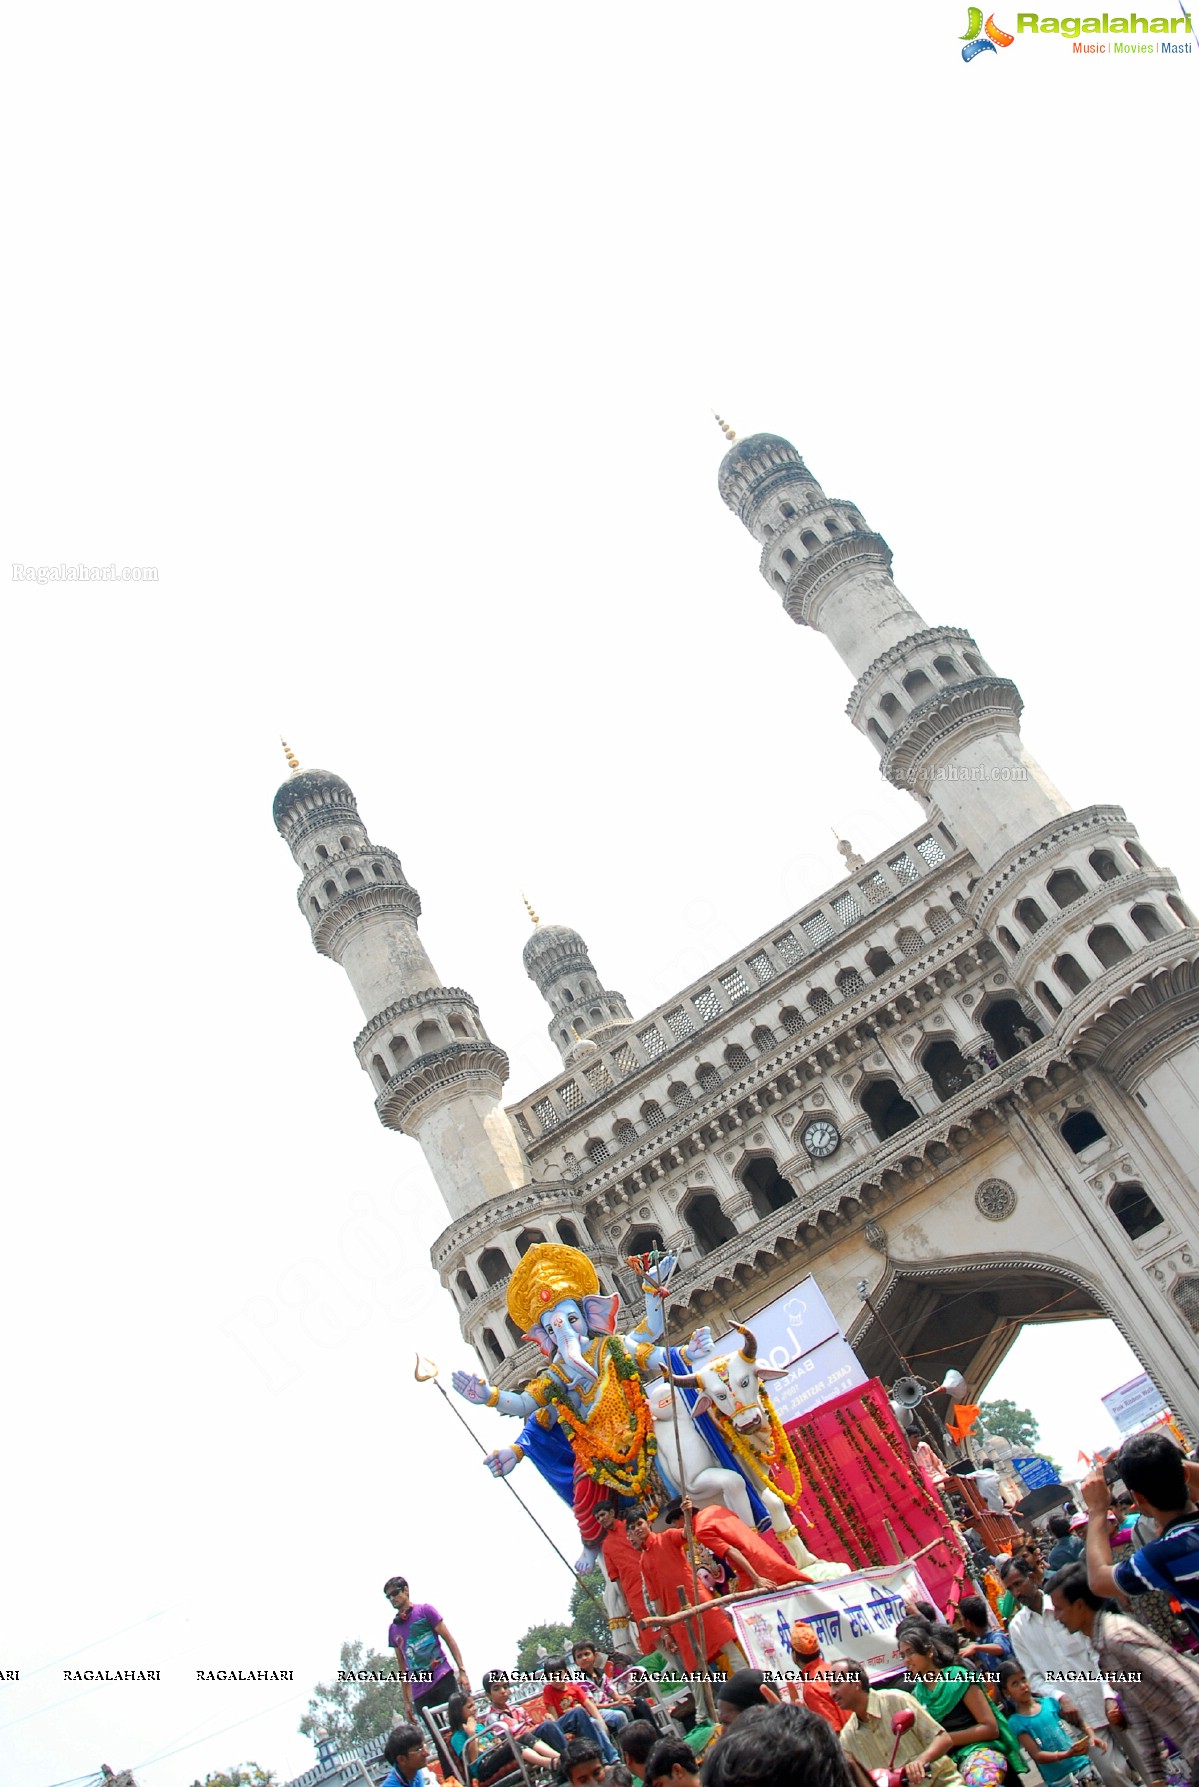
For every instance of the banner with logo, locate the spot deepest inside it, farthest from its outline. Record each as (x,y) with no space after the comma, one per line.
(854,1616)
(800,1325)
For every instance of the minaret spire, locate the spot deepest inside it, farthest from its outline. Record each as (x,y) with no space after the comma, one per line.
(529,909)
(585,1011)
(293,761)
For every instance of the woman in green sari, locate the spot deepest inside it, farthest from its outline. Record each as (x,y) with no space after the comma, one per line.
(985,1751)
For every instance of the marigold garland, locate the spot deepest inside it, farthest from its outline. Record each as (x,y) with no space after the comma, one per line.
(761,1464)
(619,1404)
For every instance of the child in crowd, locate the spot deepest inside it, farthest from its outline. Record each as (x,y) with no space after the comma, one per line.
(483,1752)
(1037,1722)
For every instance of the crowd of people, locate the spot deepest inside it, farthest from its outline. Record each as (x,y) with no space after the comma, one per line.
(1079,1654)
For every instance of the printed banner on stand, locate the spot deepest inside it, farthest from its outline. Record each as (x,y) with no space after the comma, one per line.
(854,1616)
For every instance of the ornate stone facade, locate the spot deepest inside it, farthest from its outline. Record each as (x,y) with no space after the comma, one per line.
(967,1075)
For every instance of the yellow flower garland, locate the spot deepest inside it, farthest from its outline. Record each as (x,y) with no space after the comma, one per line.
(619,1404)
(759,1465)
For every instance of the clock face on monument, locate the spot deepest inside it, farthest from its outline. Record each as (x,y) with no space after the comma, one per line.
(821,1138)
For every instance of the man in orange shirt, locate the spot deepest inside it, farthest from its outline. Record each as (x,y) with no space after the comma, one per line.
(813,1690)
(726,1536)
(622,1565)
(665,1569)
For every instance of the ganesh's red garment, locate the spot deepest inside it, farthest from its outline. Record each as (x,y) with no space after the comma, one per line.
(623,1565)
(719,1528)
(665,1569)
(587,1493)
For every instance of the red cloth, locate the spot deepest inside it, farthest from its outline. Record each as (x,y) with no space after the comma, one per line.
(665,1569)
(817,1697)
(558,1695)
(718,1528)
(587,1492)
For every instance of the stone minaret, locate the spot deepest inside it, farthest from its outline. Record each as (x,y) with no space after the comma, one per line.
(585,1012)
(435,1071)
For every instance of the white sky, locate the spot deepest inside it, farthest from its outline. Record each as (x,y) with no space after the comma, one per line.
(390,336)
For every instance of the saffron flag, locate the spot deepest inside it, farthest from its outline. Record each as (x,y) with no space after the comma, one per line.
(965,1414)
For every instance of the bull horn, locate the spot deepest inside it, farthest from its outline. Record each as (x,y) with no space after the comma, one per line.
(749,1350)
(690,1382)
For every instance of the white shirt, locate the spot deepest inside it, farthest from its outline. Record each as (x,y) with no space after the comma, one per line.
(1042,1644)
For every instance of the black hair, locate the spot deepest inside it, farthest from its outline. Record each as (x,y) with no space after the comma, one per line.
(456,1709)
(927,1638)
(662,1758)
(1151,1465)
(847,1668)
(1059,1525)
(672,1513)
(584,1644)
(635,1512)
(927,1611)
(776,1747)
(742,1689)
(555,1663)
(493,1678)
(638,1738)
(612,1506)
(1073,1584)
(1008,1667)
(395,1582)
(617,1775)
(401,1740)
(974,1608)
(580,1749)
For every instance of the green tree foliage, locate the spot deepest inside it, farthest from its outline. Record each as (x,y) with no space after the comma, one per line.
(246,1774)
(1020,1426)
(587,1620)
(355,1712)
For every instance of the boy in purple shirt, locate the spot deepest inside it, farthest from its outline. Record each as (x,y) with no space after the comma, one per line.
(415,1634)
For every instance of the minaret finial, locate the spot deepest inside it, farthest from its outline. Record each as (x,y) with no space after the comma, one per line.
(530,910)
(293,761)
(730,434)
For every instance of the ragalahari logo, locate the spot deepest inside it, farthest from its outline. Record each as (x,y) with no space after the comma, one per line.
(974,42)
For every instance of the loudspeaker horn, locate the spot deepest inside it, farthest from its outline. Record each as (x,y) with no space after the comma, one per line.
(908,1392)
(903,1415)
(953,1382)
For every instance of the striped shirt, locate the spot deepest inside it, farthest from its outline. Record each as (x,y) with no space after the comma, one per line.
(1175,1558)
(1158,1689)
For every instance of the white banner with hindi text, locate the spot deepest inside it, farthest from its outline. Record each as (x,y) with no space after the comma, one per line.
(854,1616)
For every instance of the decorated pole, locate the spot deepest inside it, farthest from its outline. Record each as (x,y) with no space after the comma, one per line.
(644,1263)
(426,1373)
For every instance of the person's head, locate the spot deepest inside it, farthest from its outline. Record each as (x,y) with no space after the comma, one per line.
(580,1764)
(849,1685)
(1013,1683)
(636,1528)
(1023,1580)
(777,1747)
(672,1513)
(585,1655)
(1074,1603)
(497,1687)
(555,1669)
(988,1464)
(922,1647)
(805,1645)
(458,1709)
(636,1740)
(742,1690)
(1059,1525)
(396,1590)
(1151,1466)
(405,1750)
(618,1775)
(671,1763)
(606,1513)
(973,1616)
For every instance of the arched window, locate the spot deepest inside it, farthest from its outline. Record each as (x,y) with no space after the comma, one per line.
(466,1288)
(887,1109)
(1070,974)
(879,961)
(1065,887)
(789,558)
(1181,911)
(529,1238)
(322,853)
(596,1015)
(736,1059)
(458,1028)
(791,1021)
(345,843)
(1050,1001)
(957,900)
(918,685)
(849,982)
(1104,865)
(514,1332)
(891,707)
(399,1050)
(820,1001)
(708,1076)
(624,1133)
(787,511)
(973,663)
(568,996)
(652,1115)
(679,1095)
(766,1185)
(493,1266)
(1030,915)
(568,1234)
(1149,922)
(354,877)
(876,732)
(947,670)
(1137,854)
(909,942)
(945,1066)
(378,871)
(428,1037)
(809,539)
(379,1069)
(1008,941)
(1107,945)
(708,1222)
(1184,1294)
(779,579)
(938,920)
(597,1150)
(1010,1028)
(330,890)
(1134,1210)
(763,1039)
(494,1350)
(643,1241)
(1080,1130)
(830,526)
(316,907)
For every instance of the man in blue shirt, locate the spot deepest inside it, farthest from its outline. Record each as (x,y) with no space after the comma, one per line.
(1162,1484)
(405,1750)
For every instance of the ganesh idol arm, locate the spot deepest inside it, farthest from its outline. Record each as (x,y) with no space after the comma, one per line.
(485,1395)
